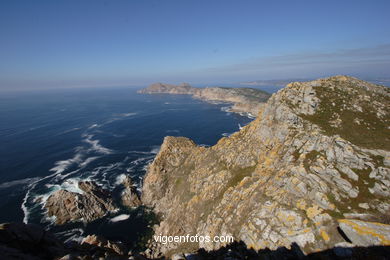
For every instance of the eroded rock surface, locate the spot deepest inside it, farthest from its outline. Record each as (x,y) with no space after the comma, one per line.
(94,202)
(317,152)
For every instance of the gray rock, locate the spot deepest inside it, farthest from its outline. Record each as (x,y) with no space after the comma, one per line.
(364,233)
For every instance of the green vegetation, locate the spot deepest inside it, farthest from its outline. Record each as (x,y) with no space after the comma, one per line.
(378,160)
(296,154)
(239,175)
(363,128)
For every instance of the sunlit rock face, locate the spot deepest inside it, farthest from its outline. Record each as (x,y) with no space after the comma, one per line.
(317,152)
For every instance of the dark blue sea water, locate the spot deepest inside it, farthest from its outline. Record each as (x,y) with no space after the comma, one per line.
(53,139)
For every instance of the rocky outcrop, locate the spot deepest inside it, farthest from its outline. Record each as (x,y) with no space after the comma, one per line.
(244,100)
(94,202)
(130,197)
(317,152)
(363,233)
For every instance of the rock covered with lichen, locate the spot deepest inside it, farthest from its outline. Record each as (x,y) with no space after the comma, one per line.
(317,152)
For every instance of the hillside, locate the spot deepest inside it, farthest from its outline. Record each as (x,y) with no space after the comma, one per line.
(315,161)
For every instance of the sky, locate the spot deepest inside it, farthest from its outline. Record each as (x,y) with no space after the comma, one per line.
(75,43)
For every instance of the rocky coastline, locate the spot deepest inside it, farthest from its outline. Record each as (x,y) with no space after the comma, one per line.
(243,100)
(309,178)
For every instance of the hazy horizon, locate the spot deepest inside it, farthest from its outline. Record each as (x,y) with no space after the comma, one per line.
(60,44)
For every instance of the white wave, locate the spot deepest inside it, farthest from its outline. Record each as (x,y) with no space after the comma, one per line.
(93,126)
(119,179)
(96,146)
(226,134)
(140,160)
(63,176)
(72,185)
(52,219)
(61,166)
(25,210)
(88,160)
(120,218)
(146,166)
(128,114)
(155,149)
(31,186)
(75,234)
(225,109)
(240,127)
(26,181)
(250,116)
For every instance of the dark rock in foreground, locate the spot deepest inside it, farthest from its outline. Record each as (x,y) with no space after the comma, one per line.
(20,241)
(31,242)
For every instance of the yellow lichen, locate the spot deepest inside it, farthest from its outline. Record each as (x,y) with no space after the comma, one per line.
(313,211)
(324,235)
(301,204)
(362,230)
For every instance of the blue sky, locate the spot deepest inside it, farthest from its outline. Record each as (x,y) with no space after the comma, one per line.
(94,43)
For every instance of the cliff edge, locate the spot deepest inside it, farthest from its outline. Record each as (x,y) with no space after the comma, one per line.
(314,161)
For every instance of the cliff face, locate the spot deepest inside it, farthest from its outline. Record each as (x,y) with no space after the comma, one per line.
(317,154)
(245,100)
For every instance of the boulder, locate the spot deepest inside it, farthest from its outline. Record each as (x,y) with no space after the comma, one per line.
(93,203)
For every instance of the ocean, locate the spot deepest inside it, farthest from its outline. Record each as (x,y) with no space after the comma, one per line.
(52,139)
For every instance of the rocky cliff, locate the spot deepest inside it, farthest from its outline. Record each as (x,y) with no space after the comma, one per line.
(246,100)
(316,159)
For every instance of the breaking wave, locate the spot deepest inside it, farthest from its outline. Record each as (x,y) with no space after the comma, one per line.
(119,218)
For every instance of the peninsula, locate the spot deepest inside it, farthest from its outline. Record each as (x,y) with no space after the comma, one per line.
(244,100)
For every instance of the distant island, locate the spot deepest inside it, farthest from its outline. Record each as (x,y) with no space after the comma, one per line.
(244,100)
